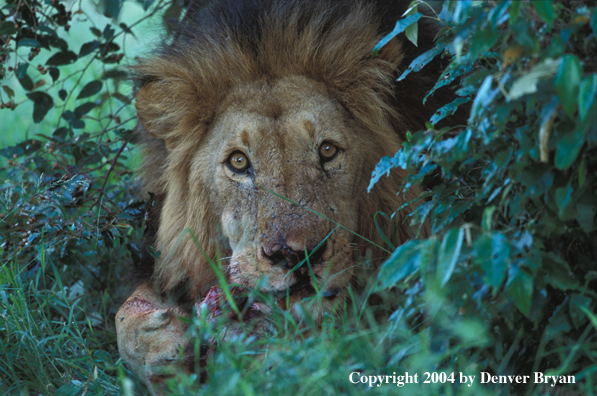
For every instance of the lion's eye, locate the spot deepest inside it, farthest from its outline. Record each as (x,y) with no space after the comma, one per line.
(238,161)
(327,151)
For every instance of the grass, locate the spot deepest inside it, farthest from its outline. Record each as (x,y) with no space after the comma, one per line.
(58,338)
(51,342)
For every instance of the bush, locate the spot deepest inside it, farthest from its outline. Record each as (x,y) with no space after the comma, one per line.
(68,213)
(505,285)
(513,200)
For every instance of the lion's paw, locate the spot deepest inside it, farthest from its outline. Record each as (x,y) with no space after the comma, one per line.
(153,341)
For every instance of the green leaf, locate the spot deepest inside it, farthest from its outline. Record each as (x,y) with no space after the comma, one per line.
(462,11)
(514,10)
(9,152)
(42,103)
(54,73)
(492,254)
(26,83)
(22,70)
(116,74)
(449,252)
(483,40)
(585,216)
(498,14)
(586,96)
(484,97)
(7,28)
(60,134)
(525,35)
(413,8)
(563,197)
(90,88)
(85,108)
(527,84)
(422,60)
(488,217)
(147,4)
(448,110)
(111,8)
(27,42)
(567,82)
(57,42)
(383,167)
(590,315)
(578,305)
(9,91)
(412,33)
(71,389)
(558,272)
(520,287)
(403,262)
(88,48)
(582,173)
(545,10)
(448,76)
(96,32)
(62,58)
(401,25)
(428,255)
(48,30)
(108,32)
(124,99)
(569,147)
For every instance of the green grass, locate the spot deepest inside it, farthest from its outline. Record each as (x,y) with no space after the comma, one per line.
(57,341)
(53,340)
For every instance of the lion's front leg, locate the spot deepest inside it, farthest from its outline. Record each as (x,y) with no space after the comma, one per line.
(150,336)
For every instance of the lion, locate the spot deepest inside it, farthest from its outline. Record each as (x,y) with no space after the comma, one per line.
(262,121)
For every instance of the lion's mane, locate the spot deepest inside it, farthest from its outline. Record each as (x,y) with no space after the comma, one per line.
(234,42)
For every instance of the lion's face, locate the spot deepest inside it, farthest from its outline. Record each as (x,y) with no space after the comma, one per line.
(289,138)
(264,146)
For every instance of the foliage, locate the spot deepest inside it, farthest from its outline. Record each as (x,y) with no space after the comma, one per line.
(513,198)
(68,212)
(506,284)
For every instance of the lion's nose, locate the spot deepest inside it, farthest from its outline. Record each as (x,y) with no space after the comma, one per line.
(282,254)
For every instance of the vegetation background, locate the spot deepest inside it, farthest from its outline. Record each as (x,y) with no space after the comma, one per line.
(507,284)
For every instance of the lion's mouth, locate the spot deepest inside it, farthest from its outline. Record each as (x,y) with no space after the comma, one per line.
(304,286)
(290,275)
(290,259)
(250,309)
(300,265)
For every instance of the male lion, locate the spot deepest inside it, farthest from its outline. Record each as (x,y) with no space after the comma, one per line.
(255,100)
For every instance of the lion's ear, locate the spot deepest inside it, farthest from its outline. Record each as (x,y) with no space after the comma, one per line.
(143,106)
(171,110)
(153,111)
